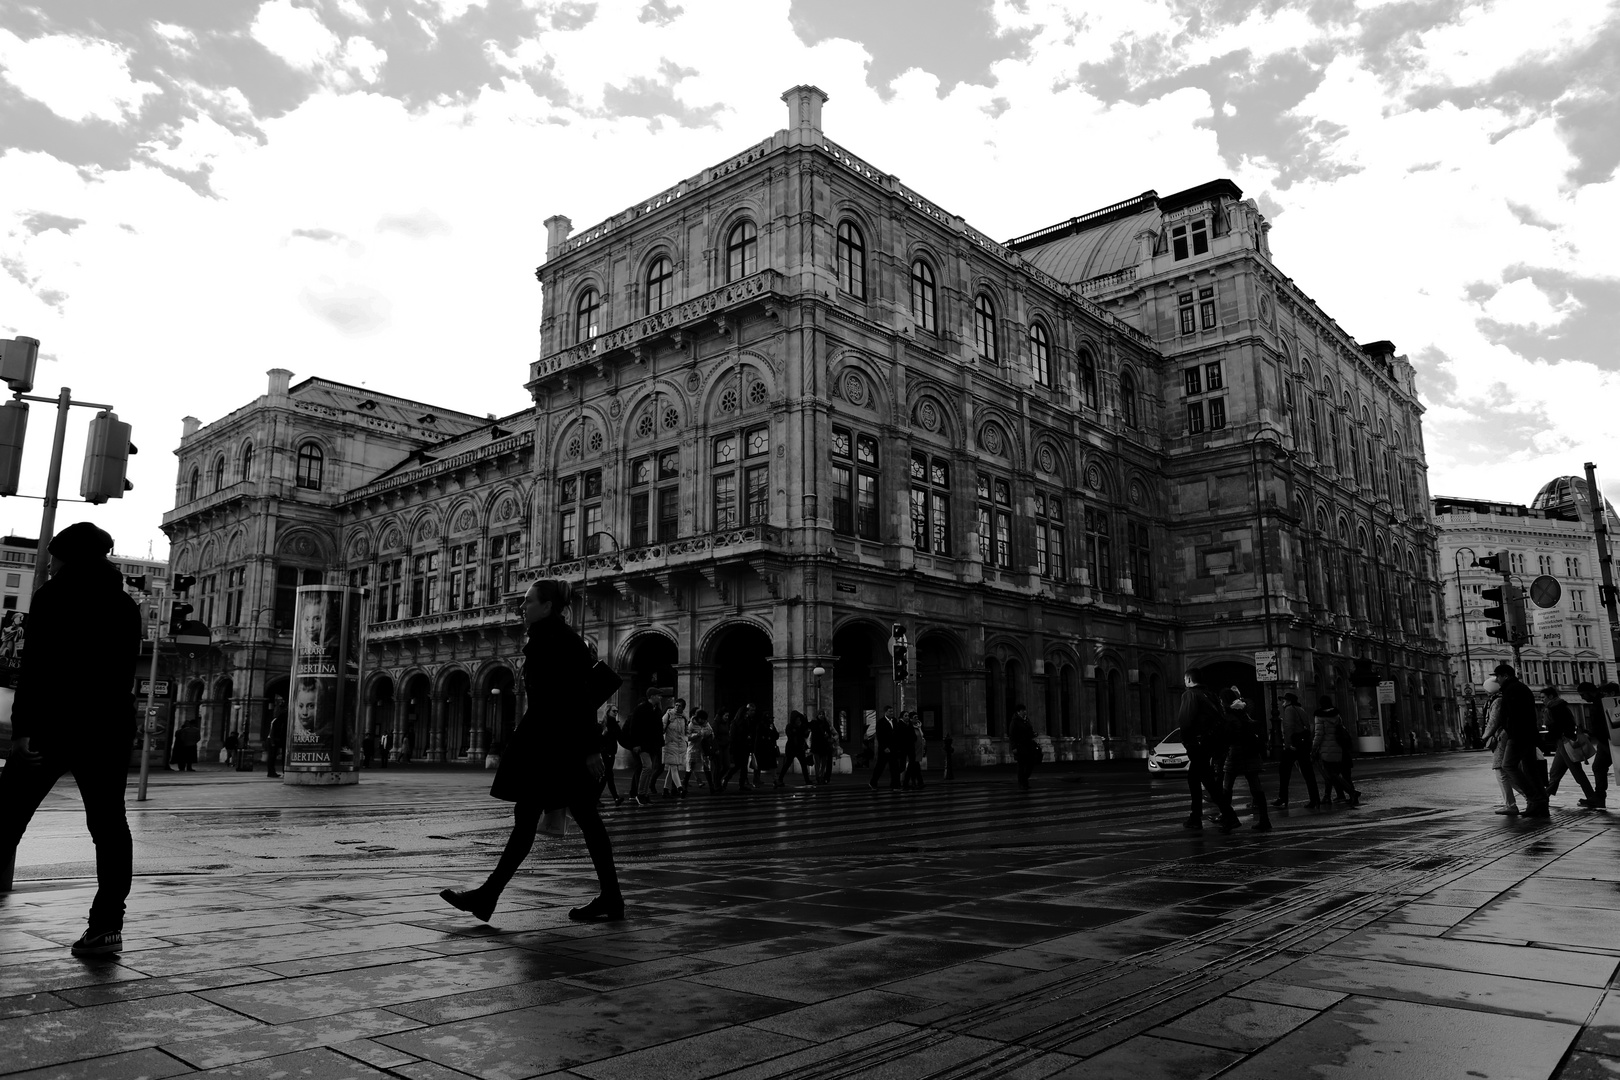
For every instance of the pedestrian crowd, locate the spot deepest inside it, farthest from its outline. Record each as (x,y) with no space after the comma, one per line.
(1529,759)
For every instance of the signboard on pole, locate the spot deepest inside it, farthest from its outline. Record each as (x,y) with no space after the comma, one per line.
(323,714)
(1266,668)
(147,687)
(1386,692)
(1549,627)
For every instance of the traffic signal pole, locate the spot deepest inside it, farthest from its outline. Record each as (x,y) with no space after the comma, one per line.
(47,520)
(151,705)
(1605,559)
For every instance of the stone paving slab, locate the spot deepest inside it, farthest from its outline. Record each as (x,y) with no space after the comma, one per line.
(1425,937)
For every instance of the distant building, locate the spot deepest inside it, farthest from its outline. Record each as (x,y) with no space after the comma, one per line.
(1552,537)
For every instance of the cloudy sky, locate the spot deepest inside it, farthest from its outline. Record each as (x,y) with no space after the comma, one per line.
(194,191)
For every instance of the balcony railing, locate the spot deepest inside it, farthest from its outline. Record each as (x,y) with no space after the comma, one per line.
(242,489)
(686,551)
(725,298)
(442,622)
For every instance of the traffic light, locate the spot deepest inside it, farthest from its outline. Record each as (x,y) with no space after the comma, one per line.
(179,615)
(13,427)
(1496,562)
(897,647)
(1508,617)
(18,358)
(182,583)
(106,458)
(138,582)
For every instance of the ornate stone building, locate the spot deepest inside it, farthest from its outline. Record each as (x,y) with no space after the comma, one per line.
(789,402)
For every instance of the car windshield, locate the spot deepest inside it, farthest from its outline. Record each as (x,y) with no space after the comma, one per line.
(1173,737)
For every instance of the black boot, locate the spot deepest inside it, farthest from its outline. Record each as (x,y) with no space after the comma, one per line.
(603,908)
(478,902)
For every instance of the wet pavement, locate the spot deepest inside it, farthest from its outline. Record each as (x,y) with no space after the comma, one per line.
(966,930)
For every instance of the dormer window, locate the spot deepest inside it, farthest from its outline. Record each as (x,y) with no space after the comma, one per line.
(1200,239)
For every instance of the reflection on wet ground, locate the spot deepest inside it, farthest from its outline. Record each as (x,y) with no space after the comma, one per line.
(968,930)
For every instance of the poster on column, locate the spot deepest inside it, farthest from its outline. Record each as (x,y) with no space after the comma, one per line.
(323,713)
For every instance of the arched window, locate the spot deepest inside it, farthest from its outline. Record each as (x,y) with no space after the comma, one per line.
(1040,354)
(1127,398)
(1389,461)
(1333,435)
(1355,447)
(1372,465)
(1288,407)
(923,296)
(660,285)
(247,462)
(219,472)
(851,260)
(1329,593)
(1088,380)
(1310,419)
(585,315)
(194,488)
(984,327)
(311,463)
(742,251)
(1400,470)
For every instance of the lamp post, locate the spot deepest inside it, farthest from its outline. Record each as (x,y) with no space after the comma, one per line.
(818,671)
(1265,570)
(1462,618)
(585,569)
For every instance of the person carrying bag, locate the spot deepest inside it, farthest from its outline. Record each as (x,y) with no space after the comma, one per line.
(552,764)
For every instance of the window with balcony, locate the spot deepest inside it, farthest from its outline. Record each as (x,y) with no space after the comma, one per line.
(219,472)
(994,520)
(655,484)
(247,463)
(1583,636)
(742,251)
(193,488)
(311,465)
(505,556)
(852,260)
(741,478)
(924,296)
(855,483)
(425,584)
(660,285)
(579,514)
(930,504)
(984,328)
(463,583)
(1577,599)
(390,586)
(1050,557)
(587,311)
(1040,354)
(1099,548)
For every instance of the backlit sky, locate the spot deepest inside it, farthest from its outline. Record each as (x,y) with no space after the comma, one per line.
(194,191)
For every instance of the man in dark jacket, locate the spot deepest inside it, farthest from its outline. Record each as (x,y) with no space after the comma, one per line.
(73,713)
(1200,721)
(646,744)
(1597,726)
(884,751)
(1523,731)
(1296,750)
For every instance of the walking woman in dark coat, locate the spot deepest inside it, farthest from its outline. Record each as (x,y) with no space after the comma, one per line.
(553,759)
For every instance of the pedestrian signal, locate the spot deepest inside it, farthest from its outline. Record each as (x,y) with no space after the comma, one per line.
(179,615)
(1496,562)
(138,582)
(106,459)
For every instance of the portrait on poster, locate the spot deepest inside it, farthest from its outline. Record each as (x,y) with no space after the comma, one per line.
(323,703)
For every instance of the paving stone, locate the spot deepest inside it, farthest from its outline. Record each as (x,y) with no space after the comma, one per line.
(1147,1058)
(1588,1066)
(38,1041)
(1304,997)
(843,969)
(1519,921)
(572,1032)
(1235,1024)
(29,1004)
(670,967)
(373,1053)
(1368,1037)
(1462,989)
(281,1039)
(838,1017)
(1523,963)
(709,1054)
(495,999)
(321,1063)
(62,974)
(143,1064)
(135,989)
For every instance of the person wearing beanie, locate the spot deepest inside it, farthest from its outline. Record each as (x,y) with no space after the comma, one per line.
(74,712)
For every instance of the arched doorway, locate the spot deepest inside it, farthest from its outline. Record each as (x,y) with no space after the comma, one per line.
(937,661)
(380,708)
(993,720)
(862,655)
(742,670)
(500,710)
(651,659)
(1013,689)
(457,716)
(416,720)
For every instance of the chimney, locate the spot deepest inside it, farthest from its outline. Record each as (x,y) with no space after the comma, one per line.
(189,426)
(557,229)
(804,104)
(279,380)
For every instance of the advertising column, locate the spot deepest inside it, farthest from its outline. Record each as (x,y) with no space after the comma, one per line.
(323,729)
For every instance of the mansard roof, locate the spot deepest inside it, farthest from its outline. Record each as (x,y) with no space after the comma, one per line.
(358,399)
(491,431)
(1103,241)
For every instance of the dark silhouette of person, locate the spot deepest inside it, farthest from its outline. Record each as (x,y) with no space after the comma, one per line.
(1201,720)
(72,714)
(884,754)
(554,758)
(275,740)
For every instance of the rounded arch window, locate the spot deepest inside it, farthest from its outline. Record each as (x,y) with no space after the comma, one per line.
(247,462)
(1040,353)
(194,487)
(1088,379)
(660,284)
(219,472)
(852,260)
(587,312)
(1127,399)
(924,296)
(984,327)
(311,466)
(742,251)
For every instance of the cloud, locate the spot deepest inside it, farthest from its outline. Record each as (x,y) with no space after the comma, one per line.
(954,40)
(296,34)
(318,235)
(421,224)
(39,221)
(77,79)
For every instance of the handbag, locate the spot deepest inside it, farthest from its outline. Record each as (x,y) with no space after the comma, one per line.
(1580,748)
(601,683)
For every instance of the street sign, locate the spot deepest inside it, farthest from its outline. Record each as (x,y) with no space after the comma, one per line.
(162,688)
(1545,591)
(1386,693)
(1266,668)
(1549,624)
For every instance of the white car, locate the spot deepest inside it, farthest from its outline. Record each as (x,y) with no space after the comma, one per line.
(1168,756)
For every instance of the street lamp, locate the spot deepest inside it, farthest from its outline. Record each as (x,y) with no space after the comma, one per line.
(1265,571)
(818,671)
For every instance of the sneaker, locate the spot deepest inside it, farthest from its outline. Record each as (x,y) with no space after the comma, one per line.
(598,910)
(99,943)
(1279,802)
(1593,803)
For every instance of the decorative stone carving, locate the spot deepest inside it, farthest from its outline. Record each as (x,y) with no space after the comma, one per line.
(990,438)
(672,419)
(1136,493)
(757,393)
(507,510)
(928,416)
(1094,478)
(428,530)
(693,381)
(855,388)
(1046,459)
(644,427)
(615,408)
(393,540)
(466,521)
